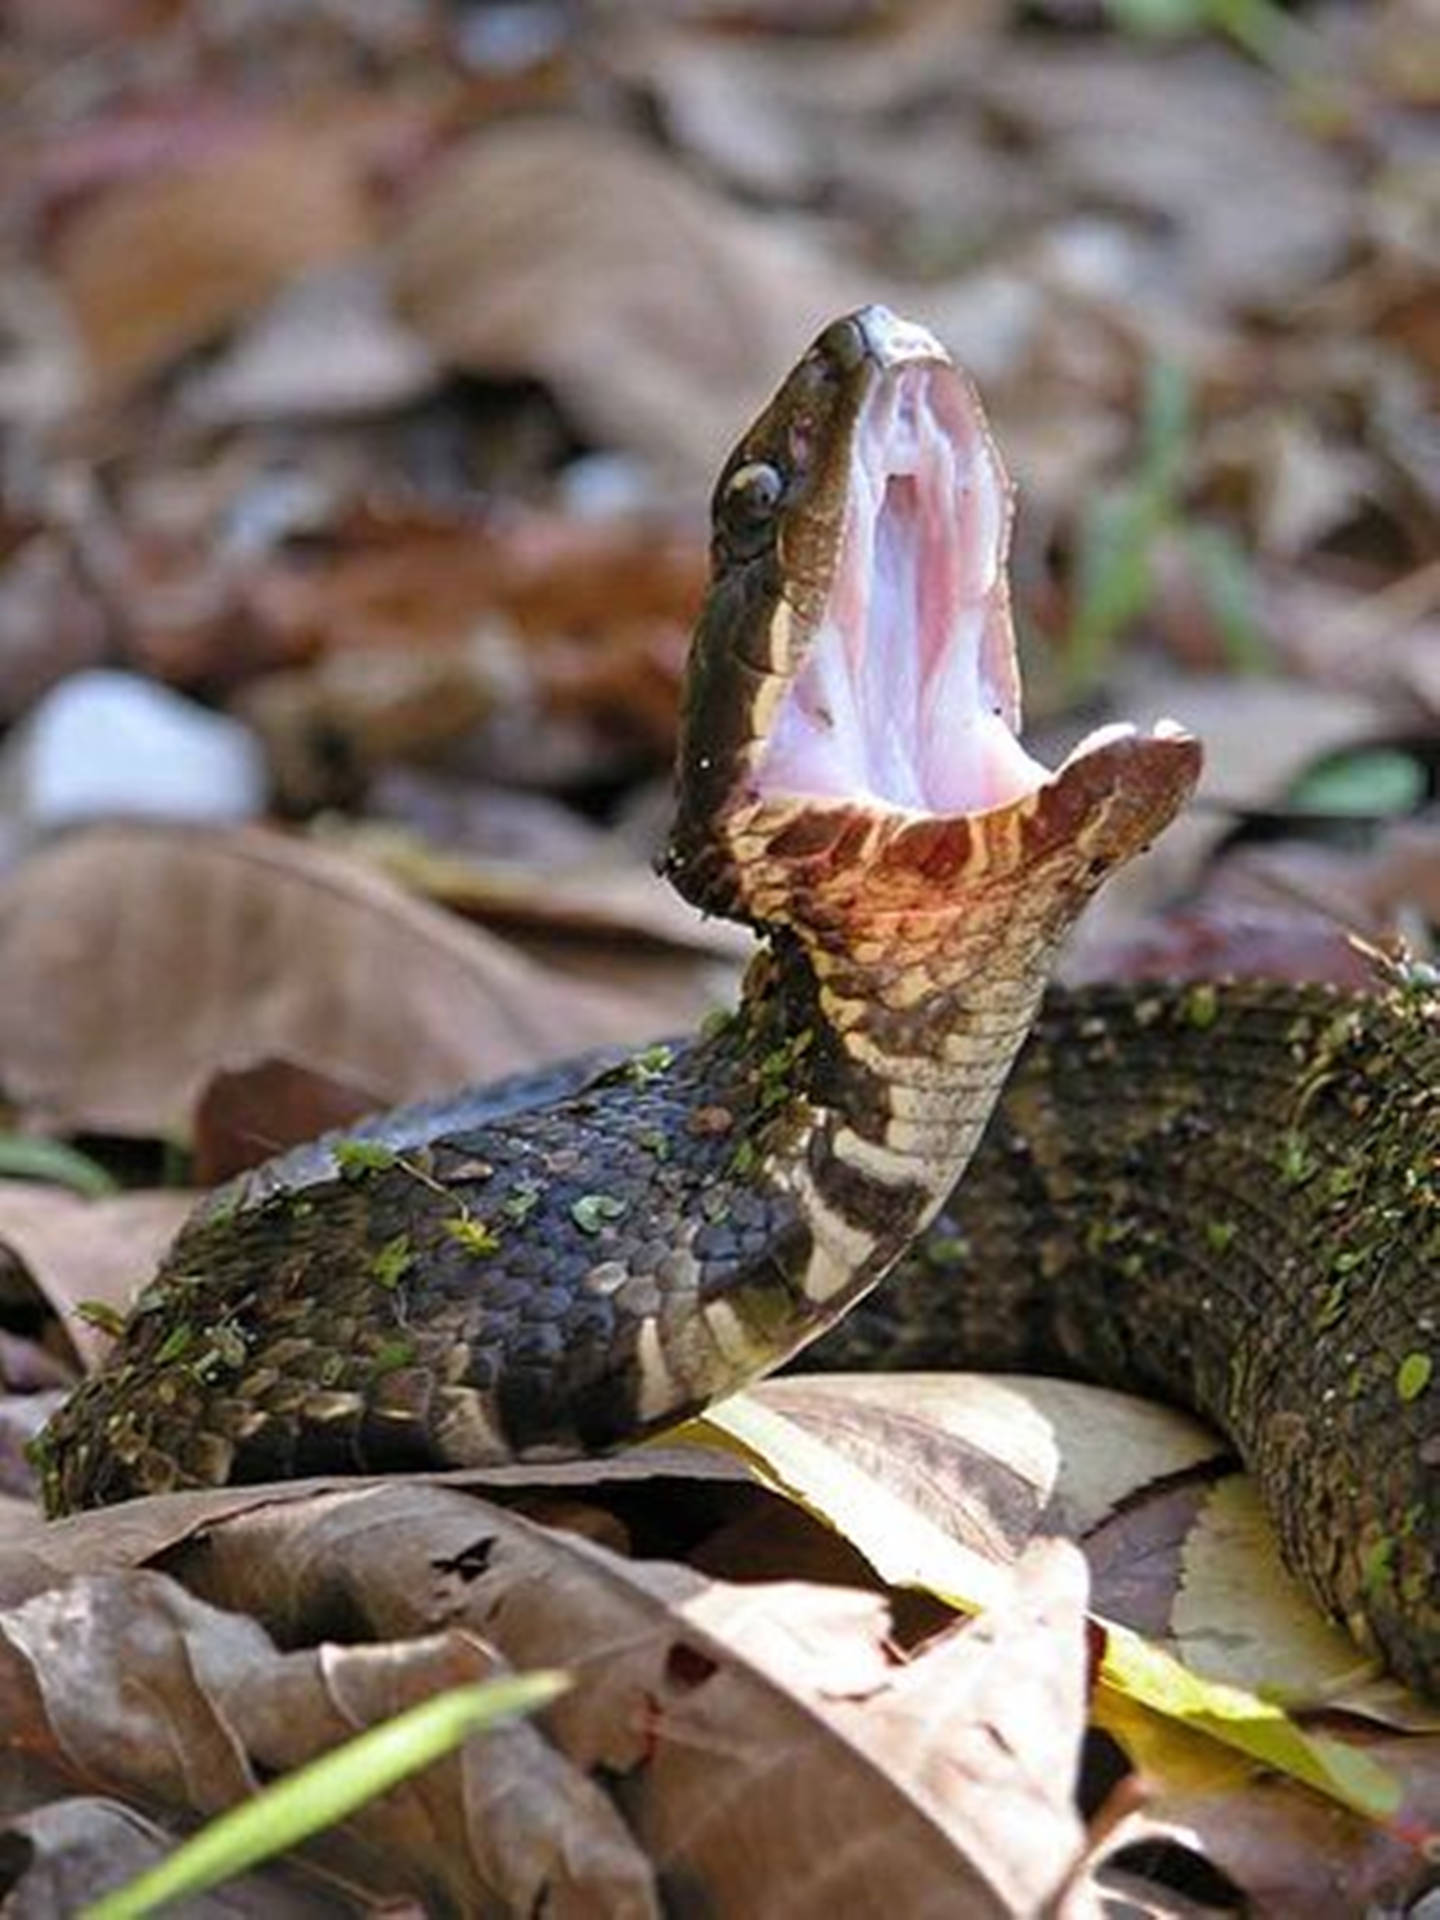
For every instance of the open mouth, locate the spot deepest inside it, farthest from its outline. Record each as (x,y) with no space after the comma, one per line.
(909,695)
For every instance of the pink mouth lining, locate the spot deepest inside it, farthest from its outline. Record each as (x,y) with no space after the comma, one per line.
(909,696)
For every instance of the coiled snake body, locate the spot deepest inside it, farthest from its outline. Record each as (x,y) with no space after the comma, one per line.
(461,1284)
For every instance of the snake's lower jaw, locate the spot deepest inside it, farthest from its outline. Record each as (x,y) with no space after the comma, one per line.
(1117,791)
(832,868)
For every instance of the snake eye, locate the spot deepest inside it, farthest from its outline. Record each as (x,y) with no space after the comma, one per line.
(746,507)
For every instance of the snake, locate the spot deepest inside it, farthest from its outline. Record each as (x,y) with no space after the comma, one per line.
(1223,1194)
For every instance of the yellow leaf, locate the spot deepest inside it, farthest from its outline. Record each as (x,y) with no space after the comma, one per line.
(907,1549)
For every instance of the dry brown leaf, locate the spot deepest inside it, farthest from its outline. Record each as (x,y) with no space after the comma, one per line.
(1009,1693)
(1258,735)
(328,726)
(36,1554)
(327,345)
(61,1855)
(404,580)
(1289,1852)
(993,1459)
(161,264)
(51,623)
(881,127)
(611,895)
(382,1560)
(72,159)
(139,961)
(655,310)
(426,628)
(1183,158)
(711,1705)
(127,1680)
(77,1250)
(245,1116)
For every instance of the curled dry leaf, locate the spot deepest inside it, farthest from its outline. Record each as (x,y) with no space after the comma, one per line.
(76,1250)
(162,263)
(995,1459)
(139,961)
(652,307)
(1183,158)
(905,1545)
(247,1115)
(612,895)
(1286,1851)
(327,345)
(127,1680)
(402,1558)
(62,1855)
(716,1709)
(1010,1694)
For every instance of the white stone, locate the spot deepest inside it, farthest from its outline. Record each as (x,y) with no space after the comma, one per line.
(104,744)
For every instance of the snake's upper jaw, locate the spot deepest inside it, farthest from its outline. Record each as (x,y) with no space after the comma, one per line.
(897,658)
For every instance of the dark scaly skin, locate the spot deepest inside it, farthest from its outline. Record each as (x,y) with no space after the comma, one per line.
(1229,1197)
(573,1278)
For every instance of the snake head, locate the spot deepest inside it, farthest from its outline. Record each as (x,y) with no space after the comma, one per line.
(849,739)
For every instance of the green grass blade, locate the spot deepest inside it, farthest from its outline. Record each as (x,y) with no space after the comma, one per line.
(26,1156)
(326,1790)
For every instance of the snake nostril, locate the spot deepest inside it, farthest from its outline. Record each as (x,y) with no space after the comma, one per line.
(687,1668)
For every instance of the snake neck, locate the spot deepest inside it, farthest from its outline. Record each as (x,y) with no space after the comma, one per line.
(860,1088)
